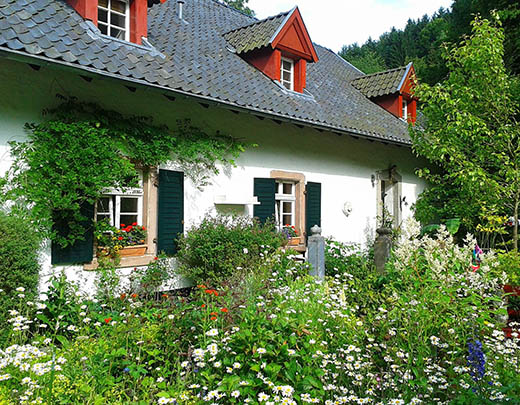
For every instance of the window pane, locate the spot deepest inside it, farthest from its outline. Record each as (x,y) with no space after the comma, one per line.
(128,219)
(101,217)
(287,65)
(286,76)
(103,205)
(103,3)
(103,29)
(287,208)
(287,188)
(117,33)
(102,16)
(118,5)
(118,20)
(129,204)
(287,85)
(287,220)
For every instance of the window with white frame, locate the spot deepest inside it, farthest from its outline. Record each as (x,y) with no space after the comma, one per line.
(121,207)
(114,18)
(287,73)
(285,203)
(404,115)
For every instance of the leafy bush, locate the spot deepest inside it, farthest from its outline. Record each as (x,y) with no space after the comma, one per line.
(223,246)
(19,266)
(428,334)
(509,263)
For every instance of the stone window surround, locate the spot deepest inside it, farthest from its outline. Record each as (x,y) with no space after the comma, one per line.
(396,179)
(150,201)
(299,220)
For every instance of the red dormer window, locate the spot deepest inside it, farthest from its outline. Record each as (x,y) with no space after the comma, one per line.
(278,46)
(122,19)
(393,90)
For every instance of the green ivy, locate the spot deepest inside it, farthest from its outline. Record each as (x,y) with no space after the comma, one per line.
(81,149)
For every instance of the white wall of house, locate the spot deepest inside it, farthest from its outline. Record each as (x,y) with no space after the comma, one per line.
(343,164)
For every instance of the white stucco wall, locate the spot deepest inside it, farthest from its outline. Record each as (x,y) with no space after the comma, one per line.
(342,164)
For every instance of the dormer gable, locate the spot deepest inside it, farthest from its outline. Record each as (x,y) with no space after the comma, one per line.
(392,90)
(122,19)
(279,46)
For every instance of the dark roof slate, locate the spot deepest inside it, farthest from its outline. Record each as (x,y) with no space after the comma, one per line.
(193,57)
(256,35)
(381,83)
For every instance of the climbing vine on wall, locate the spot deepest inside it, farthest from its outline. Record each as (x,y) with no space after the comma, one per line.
(80,149)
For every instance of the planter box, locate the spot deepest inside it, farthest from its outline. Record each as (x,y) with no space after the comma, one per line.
(294,241)
(127,251)
(137,250)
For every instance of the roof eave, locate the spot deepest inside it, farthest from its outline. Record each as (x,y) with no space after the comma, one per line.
(25,58)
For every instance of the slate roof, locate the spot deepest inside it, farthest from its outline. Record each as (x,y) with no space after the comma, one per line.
(381,83)
(193,58)
(257,35)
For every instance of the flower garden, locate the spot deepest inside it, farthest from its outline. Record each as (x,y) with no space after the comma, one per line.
(429,331)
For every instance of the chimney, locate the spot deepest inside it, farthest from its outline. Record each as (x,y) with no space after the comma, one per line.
(181,5)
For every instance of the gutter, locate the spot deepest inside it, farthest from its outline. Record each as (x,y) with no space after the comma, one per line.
(45,61)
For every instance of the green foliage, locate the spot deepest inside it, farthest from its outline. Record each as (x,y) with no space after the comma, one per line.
(80,149)
(276,332)
(240,5)
(419,43)
(223,246)
(474,105)
(19,265)
(452,226)
(509,263)
(421,40)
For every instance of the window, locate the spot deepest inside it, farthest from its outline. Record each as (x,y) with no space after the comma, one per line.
(121,206)
(404,113)
(113,18)
(285,203)
(287,74)
(389,198)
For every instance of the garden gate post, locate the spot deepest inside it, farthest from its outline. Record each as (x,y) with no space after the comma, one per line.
(382,248)
(316,254)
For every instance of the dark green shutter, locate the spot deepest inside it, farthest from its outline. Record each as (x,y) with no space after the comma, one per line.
(82,251)
(170,210)
(312,206)
(265,190)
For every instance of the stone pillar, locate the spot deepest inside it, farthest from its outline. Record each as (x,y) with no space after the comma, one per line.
(382,248)
(316,253)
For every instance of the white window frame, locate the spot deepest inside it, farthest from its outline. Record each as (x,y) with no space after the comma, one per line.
(282,70)
(108,23)
(114,203)
(404,110)
(280,198)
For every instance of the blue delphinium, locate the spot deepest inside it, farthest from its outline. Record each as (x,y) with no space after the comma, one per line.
(476,360)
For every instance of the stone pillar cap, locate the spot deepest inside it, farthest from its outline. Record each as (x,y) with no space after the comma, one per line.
(316,230)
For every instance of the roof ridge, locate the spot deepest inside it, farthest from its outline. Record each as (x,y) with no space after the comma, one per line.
(234,9)
(257,21)
(381,73)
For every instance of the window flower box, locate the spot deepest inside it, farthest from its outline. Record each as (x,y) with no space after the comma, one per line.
(295,241)
(136,250)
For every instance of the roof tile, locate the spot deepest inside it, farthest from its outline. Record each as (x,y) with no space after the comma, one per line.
(193,57)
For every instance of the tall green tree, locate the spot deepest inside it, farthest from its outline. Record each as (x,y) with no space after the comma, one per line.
(472,131)
(240,5)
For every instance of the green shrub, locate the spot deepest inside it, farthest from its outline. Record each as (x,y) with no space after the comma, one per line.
(223,246)
(509,263)
(19,266)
